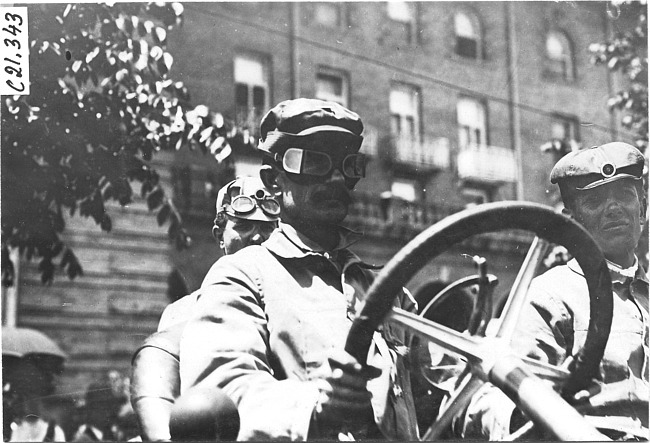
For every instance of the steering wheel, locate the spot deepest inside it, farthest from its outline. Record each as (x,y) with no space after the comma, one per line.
(490,359)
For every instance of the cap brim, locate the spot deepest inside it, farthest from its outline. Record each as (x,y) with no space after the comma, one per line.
(325,128)
(604,181)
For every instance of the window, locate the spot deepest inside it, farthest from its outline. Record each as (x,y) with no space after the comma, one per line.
(328,14)
(475,196)
(404,112)
(332,85)
(468,36)
(559,56)
(404,13)
(565,128)
(472,124)
(251,90)
(404,189)
(565,135)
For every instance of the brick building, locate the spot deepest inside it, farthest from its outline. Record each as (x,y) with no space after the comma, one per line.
(457,99)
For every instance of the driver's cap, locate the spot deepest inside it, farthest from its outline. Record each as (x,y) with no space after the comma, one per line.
(598,165)
(292,121)
(244,185)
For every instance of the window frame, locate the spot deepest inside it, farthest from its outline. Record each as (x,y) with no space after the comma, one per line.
(415,94)
(570,121)
(568,73)
(341,10)
(253,113)
(344,76)
(471,192)
(405,182)
(477,27)
(411,23)
(485,139)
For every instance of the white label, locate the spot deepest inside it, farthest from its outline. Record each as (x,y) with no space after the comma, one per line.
(14,51)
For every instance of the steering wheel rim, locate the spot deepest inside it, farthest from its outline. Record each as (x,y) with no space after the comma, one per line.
(545,223)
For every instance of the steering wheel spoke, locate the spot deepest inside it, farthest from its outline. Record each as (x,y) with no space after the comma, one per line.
(457,401)
(517,298)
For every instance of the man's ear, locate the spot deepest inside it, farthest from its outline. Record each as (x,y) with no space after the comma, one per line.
(269,176)
(217,233)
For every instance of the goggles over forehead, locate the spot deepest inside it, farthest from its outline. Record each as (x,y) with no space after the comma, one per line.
(320,164)
(246,204)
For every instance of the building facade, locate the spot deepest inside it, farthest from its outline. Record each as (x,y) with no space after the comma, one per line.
(463,103)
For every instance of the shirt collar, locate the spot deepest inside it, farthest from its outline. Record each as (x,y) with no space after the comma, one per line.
(627,272)
(615,271)
(287,242)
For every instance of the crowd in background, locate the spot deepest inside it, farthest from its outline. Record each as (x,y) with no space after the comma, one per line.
(32,411)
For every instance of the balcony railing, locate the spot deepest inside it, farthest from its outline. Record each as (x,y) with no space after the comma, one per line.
(401,220)
(430,154)
(491,164)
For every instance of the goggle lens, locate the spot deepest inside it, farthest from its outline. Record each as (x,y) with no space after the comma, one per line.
(319,164)
(354,166)
(244,204)
(270,206)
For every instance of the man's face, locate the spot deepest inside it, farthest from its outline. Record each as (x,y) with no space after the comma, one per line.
(612,215)
(239,233)
(316,200)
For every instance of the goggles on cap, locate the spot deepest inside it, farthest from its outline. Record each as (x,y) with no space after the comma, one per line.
(245,204)
(320,164)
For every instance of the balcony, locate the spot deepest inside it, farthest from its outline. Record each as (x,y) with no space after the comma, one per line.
(427,155)
(401,220)
(487,164)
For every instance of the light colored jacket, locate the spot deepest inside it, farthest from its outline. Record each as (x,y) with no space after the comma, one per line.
(554,326)
(266,321)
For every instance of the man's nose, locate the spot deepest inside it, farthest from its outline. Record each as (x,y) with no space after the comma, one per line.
(337,175)
(614,206)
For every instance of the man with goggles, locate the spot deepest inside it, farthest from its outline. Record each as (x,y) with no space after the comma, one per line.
(246,215)
(272,319)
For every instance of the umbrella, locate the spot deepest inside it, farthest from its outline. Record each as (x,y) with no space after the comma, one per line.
(23,342)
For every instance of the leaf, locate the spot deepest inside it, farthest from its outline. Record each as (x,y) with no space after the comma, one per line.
(106,223)
(72,264)
(47,270)
(217,120)
(163,214)
(168,59)
(156,52)
(155,197)
(178,9)
(161,35)
(223,154)
(92,54)
(217,145)
(205,134)
(8,270)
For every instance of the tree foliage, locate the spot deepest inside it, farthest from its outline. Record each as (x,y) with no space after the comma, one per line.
(626,52)
(101,105)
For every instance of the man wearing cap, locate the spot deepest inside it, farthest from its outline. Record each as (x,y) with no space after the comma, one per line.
(602,188)
(246,215)
(272,320)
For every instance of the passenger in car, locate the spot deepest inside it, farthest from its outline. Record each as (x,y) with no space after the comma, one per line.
(601,188)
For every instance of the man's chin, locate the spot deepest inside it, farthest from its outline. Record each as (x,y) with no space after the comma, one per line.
(335,210)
